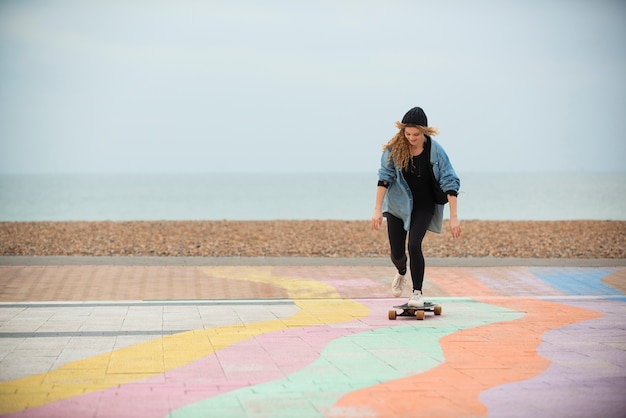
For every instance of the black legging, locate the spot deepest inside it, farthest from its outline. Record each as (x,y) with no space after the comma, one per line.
(397,241)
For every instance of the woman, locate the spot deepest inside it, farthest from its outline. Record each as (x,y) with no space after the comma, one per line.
(416,180)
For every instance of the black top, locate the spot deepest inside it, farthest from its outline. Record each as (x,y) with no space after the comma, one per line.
(420,180)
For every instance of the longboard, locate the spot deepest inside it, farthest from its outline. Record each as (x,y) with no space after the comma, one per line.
(418,313)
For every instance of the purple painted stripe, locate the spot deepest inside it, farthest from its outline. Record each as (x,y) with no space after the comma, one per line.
(586,377)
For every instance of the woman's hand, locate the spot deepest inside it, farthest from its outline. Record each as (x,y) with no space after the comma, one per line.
(377,219)
(455,227)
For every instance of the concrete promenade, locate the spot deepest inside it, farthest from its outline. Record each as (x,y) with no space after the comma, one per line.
(309,337)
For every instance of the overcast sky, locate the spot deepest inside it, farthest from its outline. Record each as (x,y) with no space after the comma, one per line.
(279,86)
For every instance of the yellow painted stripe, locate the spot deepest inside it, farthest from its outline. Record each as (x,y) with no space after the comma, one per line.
(154,357)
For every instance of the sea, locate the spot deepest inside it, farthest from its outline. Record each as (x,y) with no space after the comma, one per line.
(297,196)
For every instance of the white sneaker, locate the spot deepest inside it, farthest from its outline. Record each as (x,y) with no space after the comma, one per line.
(397,285)
(416,300)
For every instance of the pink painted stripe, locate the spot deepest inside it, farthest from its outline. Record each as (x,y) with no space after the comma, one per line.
(258,360)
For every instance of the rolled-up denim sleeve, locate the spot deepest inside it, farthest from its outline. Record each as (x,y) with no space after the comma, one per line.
(387,170)
(448,179)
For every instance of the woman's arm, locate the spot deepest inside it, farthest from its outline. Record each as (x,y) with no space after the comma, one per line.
(377,217)
(455,225)
(386,176)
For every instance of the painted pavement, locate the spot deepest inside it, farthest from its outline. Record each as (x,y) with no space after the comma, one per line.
(516,341)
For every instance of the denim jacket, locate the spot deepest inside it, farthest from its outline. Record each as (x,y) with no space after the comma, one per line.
(399,200)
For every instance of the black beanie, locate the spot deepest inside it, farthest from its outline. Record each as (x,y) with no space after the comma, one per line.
(415,116)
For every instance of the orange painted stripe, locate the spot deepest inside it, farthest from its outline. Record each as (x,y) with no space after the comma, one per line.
(476,359)
(616,280)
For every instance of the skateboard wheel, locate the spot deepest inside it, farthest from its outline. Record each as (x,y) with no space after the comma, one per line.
(437,310)
(392,315)
(419,315)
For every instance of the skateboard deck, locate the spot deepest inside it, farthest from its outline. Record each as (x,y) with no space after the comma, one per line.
(418,313)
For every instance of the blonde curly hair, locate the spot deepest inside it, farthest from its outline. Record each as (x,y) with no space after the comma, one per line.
(400,147)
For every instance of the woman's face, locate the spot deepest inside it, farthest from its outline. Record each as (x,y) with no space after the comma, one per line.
(414,136)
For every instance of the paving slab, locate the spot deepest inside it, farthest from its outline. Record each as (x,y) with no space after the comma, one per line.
(88,338)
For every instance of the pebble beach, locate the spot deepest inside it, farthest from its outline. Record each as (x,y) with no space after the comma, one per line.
(522,239)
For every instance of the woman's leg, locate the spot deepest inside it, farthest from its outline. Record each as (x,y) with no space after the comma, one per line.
(419,226)
(397,242)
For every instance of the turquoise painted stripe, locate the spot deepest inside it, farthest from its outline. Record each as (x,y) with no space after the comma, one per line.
(351,363)
(577,281)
